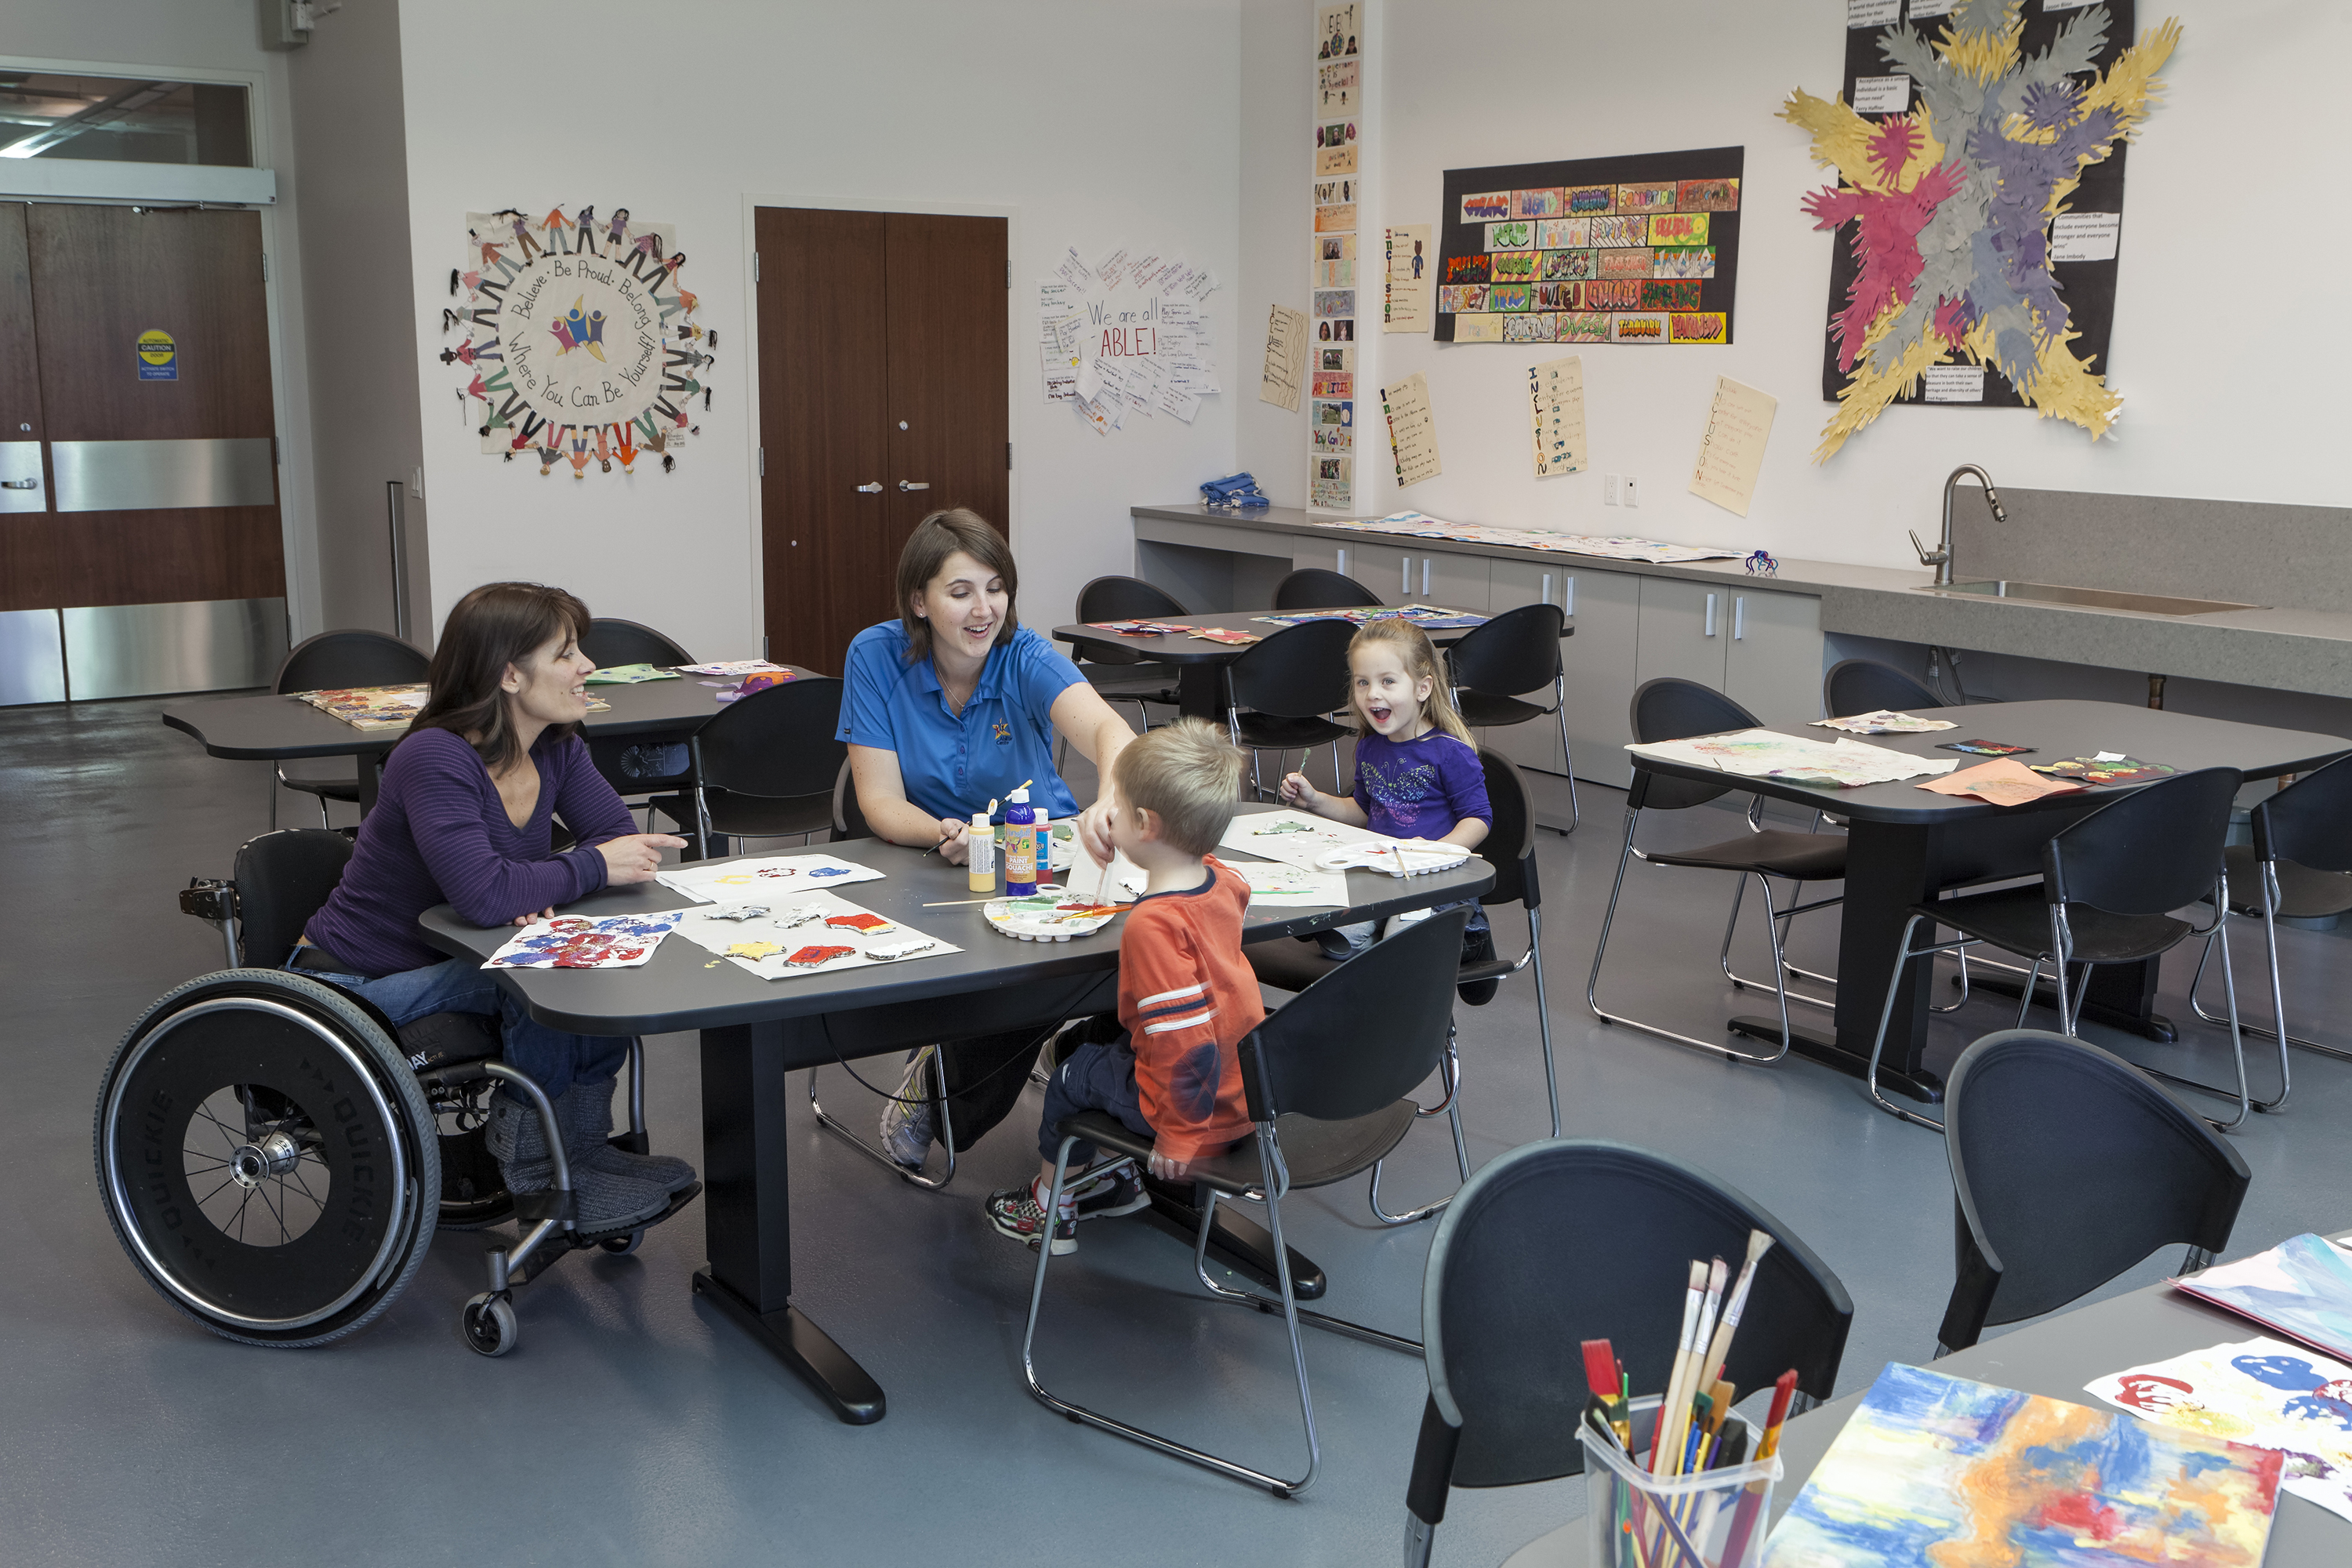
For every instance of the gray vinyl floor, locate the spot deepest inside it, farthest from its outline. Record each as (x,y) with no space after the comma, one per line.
(634,1426)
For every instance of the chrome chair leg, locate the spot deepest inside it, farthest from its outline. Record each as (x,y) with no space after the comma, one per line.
(1731,926)
(1449,1072)
(1601,950)
(1904,953)
(1567,757)
(946,1132)
(2247,1104)
(2278,1013)
(1543,1016)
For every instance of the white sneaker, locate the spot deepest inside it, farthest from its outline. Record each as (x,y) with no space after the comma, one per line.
(906,1128)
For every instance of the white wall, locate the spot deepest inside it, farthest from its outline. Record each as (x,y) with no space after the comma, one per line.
(2211,408)
(1098,125)
(214,40)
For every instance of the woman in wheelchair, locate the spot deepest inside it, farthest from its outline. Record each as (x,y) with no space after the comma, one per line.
(464,817)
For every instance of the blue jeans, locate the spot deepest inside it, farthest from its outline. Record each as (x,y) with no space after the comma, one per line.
(1098,1075)
(550,1057)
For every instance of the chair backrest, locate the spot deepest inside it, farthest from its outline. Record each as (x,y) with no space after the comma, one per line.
(1360,1038)
(1298,673)
(2310,821)
(1518,650)
(1580,1238)
(1123,599)
(2153,850)
(1864,686)
(777,741)
(282,878)
(611,641)
(1313,588)
(350,657)
(2070,1165)
(848,822)
(1672,709)
(1510,846)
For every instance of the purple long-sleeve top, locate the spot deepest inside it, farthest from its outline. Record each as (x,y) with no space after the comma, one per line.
(439,834)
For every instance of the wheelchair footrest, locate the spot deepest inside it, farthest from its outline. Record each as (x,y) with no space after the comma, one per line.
(548,1204)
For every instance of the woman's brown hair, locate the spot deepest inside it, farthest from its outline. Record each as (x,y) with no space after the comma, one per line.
(1419,658)
(937,537)
(497,625)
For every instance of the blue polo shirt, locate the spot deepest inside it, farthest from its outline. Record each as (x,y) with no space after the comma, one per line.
(954,765)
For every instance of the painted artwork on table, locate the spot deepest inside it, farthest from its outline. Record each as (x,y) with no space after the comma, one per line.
(579,941)
(2301,1288)
(1979,206)
(1945,1473)
(2263,1393)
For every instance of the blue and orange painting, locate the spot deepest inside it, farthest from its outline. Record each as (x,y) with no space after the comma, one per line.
(1945,1473)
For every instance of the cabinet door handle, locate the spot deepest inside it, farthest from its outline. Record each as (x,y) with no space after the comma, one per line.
(911,484)
(20,484)
(1738,616)
(1710,615)
(1568,595)
(1544,596)
(1426,562)
(873,489)
(1404,576)
(1343,561)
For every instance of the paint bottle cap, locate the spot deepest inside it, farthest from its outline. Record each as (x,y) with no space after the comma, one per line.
(980,821)
(1018,797)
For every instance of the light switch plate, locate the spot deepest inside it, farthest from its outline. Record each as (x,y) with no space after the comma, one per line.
(1631,492)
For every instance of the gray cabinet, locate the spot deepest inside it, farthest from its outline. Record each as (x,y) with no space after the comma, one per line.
(1763,650)
(1397,575)
(1598,661)
(1684,629)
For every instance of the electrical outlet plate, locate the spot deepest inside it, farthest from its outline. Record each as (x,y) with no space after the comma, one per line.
(1631,491)
(1609,489)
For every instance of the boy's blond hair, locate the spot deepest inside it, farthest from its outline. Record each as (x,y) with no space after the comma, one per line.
(1190,775)
(1420,658)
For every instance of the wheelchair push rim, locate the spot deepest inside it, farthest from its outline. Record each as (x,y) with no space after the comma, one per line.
(262,1153)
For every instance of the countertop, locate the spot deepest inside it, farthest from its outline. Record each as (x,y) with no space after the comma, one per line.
(2287,650)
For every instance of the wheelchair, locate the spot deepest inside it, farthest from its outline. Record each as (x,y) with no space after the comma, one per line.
(274,1157)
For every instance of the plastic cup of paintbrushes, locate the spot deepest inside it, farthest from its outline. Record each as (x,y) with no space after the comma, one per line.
(1637,1519)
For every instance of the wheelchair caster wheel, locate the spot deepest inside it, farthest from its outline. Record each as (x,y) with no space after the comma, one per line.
(490,1325)
(621,1246)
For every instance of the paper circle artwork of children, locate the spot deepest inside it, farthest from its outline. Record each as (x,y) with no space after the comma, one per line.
(1051,916)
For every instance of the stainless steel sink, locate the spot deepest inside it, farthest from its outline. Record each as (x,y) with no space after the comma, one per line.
(2092,598)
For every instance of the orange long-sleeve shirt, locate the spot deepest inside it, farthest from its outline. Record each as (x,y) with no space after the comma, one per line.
(1187,997)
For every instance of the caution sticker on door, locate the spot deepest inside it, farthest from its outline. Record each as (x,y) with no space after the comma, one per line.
(159,356)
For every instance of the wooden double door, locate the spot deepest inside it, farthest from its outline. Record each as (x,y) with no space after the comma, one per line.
(133,459)
(882,347)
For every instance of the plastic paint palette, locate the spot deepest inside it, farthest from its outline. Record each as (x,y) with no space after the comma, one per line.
(1054,917)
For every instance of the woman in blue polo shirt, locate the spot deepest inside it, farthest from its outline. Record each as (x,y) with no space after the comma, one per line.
(952,705)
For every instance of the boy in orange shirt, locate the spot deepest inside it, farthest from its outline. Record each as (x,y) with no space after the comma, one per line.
(1186,995)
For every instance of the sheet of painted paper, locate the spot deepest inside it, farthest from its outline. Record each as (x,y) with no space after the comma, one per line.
(769,878)
(1120,882)
(1936,1470)
(579,941)
(1282,886)
(1731,450)
(2003,781)
(1294,838)
(1412,429)
(2266,1393)
(781,934)
(1556,401)
(1763,753)
(369,706)
(2301,1288)
(1412,268)
(1285,358)
(1886,722)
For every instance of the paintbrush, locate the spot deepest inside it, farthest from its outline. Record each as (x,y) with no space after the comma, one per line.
(1601,1377)
(1743,1523)
(1718,1352)
(1685,1352)
(1698,1374)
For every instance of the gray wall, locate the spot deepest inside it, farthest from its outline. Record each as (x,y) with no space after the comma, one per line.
(358,293)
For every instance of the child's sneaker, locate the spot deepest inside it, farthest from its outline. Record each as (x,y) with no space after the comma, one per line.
(1020,1213)
(1107,1193)
(906,1120)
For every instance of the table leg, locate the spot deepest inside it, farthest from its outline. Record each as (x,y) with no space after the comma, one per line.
(1889,867)
(747,1218)
(1201,691)
(1241,1244)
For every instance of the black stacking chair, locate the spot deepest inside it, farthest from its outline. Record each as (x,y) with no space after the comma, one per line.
(2109,880)
(1326,1079)
(1510,848)
(1669,708)
(765,766)
(324,663)
(1120,675)
(1864,686)
(1575,1239)
(1278,692)
(612,642)
(2069,1167)
(2300,865)
(1516,652)
(1313,588)
(848,822)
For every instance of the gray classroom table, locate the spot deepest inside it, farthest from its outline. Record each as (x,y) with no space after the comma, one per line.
(2054,1358)
(756,1033)
(269,727)
(1200,691)
(1905,843)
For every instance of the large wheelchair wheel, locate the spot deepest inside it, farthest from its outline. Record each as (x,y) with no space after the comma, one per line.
(266,1158)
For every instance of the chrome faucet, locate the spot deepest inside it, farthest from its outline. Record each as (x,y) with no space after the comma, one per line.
(1940,558)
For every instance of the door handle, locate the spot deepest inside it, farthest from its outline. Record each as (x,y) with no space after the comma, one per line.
(1425,574)
(20,484)
(911,484)
(1710,615)
(873,489)
(1738,617)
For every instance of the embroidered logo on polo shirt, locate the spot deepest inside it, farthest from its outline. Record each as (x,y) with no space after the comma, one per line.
(1004,732)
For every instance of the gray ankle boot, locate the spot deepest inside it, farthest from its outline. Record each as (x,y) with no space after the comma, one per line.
(584,1111)
(518,1141)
